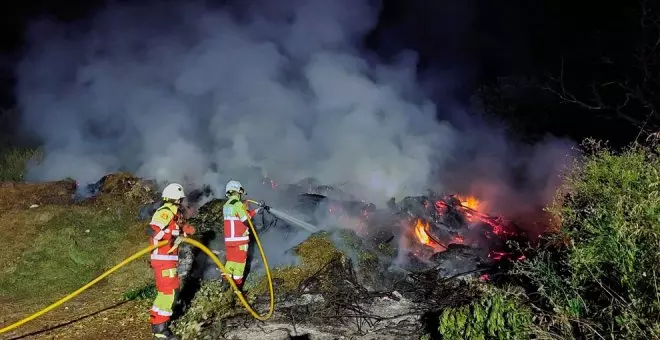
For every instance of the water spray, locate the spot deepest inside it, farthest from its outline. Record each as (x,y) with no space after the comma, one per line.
(291,219)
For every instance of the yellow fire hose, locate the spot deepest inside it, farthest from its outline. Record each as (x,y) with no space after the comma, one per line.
(148,249)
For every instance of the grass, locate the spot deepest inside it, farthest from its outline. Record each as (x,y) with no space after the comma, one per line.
(63,248)
(146,292)
(13,163)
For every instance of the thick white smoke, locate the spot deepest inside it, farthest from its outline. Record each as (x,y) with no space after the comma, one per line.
(184,92)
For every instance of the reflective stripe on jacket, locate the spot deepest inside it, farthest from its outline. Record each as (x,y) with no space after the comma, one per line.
(164,226)
(235,215)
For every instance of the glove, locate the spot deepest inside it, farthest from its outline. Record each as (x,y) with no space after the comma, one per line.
(264,206)
(188,229)
(177,242)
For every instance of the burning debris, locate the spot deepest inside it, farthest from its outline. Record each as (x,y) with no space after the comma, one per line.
(449,233)
(432,230)
(445,232)
(368,261)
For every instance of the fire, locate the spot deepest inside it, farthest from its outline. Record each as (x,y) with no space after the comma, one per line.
(469,202)
(424,238)
(420,232)
(468,207)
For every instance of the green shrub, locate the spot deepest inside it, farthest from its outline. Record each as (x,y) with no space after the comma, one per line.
(13,163)
(601,274)
(213,302)
(498,314)
(146,292)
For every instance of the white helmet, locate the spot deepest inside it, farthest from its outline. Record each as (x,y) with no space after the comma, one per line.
(173,191)
(234,186)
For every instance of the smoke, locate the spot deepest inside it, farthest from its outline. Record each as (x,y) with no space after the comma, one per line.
(199,94)
(184,92)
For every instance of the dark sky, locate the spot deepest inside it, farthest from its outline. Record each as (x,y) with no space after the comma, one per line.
(459,35)
(478,40)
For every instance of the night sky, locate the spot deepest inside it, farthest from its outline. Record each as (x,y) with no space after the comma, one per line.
(480,42)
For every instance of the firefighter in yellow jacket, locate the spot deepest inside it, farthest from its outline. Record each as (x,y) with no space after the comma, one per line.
(166,226)
(237,233)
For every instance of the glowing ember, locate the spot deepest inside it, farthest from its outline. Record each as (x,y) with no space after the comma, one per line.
(497,255)
(458,239)
(465,206)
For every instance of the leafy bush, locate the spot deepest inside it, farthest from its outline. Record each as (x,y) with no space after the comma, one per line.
(498,314)
(599,275)
(213,302)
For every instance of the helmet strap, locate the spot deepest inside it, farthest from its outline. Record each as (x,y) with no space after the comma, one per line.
(169,200)
(232,193)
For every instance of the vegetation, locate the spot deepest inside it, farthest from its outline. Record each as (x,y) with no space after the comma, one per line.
(13,163)
(598,277)
(213,302)
(498,314)
(314,254)
(69,246)
(146,292)
(53,245)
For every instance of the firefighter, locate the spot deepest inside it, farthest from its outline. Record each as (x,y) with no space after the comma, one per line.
(237,232)
(167,224)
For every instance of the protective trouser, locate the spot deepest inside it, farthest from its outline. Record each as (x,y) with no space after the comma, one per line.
(236,259)
(167,282)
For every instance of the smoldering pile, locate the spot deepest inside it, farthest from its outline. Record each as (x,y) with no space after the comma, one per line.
(368,269)
(443,232)
(446,233)
(424,231)
(411,257)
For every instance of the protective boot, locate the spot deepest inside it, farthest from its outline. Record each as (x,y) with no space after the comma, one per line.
(162,331)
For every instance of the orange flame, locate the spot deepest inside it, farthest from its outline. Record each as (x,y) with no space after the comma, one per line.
(420,232)
(423,236)
(469,202)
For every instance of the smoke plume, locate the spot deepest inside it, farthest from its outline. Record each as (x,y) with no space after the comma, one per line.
(200,94)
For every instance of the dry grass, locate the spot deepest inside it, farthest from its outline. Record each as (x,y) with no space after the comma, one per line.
(314,253)
(59,245)
(15,195)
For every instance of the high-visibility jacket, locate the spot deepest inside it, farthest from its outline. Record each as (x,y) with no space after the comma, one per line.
(164,226)
(235,216)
